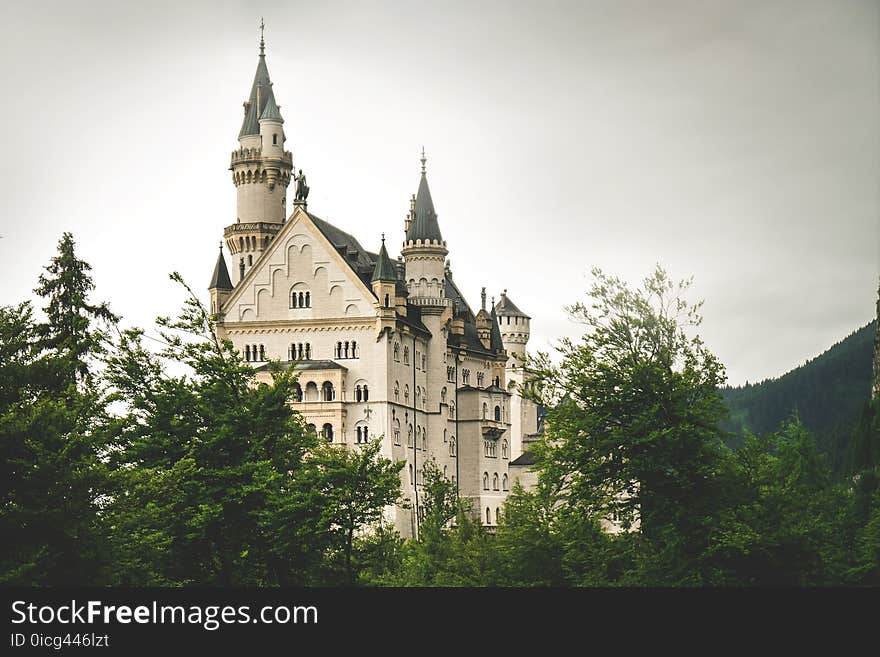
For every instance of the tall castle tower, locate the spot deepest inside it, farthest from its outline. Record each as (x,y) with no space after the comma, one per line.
(514,326)
(261,171)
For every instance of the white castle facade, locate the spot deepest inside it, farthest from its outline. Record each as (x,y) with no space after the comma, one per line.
(384,349)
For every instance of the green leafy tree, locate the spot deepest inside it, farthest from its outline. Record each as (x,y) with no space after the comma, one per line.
(633,422)
(207,464)
(785,520)
(452,548)
(354,487)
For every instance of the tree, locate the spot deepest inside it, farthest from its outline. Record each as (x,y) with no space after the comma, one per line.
(354,486)
(452,548)
(207,464)
(54,472)
(633,420)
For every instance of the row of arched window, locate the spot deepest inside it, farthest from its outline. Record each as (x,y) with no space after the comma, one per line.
(363,435)
(328,392)
(346,349)
(361,393)
(253,352)
(300,299)
(489,515)
(505,482)
(299,351)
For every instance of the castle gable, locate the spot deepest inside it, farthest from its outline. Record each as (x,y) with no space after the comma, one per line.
(301,276)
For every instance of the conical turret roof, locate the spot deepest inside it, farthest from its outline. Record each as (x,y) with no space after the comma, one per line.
(261,92)
(271,110)
(505,307)
(424,225)
(384,270)
(220,279)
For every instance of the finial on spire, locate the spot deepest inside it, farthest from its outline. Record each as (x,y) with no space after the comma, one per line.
(262,42)
(383,238)
(221,245)
(424,159)
(483,298)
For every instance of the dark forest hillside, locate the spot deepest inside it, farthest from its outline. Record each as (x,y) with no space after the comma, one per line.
(828,393)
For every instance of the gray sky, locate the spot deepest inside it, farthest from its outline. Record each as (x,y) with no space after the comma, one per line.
(738,142)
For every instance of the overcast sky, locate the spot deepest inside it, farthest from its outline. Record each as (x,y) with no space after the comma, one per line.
(738,142)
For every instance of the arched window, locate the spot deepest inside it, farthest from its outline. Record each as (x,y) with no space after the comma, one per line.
(327,432)
(485,481)
(504,449)
(443,395)
(354,346)
(396,432)
(366,393)
(485,411)
(247,352)
(406,394)
(327,392)
(498,414)
(297,393)
(409,436)
(301,299)
(308,351)
(497,382)
(311,391)
(406,355)
(495,481)
(452,409)
(262,352)
(505,484)
(338,350)
(366,435)
(488,516)
(387,301)
(396,351)
(240,244)
(308,299)
(396,391)
(418,394)
(275,139)
(250,260)
(358,429)
(311,428)
(452,446)
(357,397)
(346,349)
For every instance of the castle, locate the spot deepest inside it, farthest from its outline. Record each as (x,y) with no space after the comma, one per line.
(384,349)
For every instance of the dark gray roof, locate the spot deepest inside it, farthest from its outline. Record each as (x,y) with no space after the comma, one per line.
(495,342)
(424,226)
(357,257)
(507,307)
(384,269)
(220,279)
(526,458)
(271,111)
(301,365)
(251,124)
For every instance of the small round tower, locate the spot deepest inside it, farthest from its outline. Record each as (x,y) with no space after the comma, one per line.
(514,326)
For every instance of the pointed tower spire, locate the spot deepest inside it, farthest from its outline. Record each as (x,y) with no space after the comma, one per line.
(220,278)
(496,344)
(261,92)
(384,270)
(424,225)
